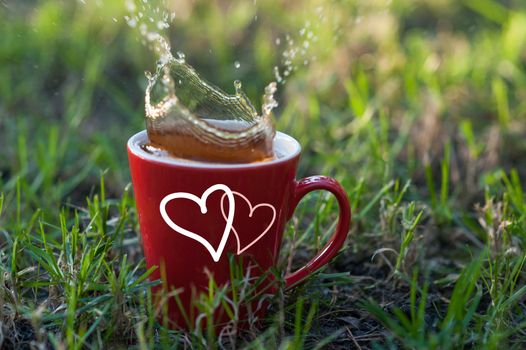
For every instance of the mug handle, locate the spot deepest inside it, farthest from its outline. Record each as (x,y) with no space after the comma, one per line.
(303,187)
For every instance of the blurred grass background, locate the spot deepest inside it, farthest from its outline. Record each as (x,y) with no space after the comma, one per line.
(417,106)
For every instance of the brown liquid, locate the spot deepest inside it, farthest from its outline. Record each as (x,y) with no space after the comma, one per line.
(194,120)
(177,141)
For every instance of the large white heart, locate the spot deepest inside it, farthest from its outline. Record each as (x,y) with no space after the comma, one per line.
(215,253)
(251,212)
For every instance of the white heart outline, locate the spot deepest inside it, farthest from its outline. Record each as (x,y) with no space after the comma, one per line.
(252,210)
(215,253)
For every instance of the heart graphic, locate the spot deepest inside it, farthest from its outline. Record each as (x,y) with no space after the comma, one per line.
(252,210)
(215,253)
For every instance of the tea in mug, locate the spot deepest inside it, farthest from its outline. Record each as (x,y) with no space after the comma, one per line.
(190,118)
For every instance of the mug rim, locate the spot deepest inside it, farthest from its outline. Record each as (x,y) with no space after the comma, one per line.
(139,138)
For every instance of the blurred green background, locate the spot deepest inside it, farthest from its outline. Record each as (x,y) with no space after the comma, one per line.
(422,72)
(387,84)
(428,93)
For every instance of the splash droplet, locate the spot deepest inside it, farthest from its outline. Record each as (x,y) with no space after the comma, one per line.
(277,75)
(269,103)
(237,64)
(162,25)
(238,86)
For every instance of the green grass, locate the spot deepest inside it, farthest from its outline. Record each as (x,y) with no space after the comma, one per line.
(417,107)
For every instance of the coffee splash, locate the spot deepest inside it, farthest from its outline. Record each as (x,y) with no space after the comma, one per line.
(193,119)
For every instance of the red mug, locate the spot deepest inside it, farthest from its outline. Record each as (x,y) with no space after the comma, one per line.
(192,215)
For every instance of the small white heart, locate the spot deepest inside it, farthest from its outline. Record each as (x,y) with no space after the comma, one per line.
(215,253)
(251,212)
